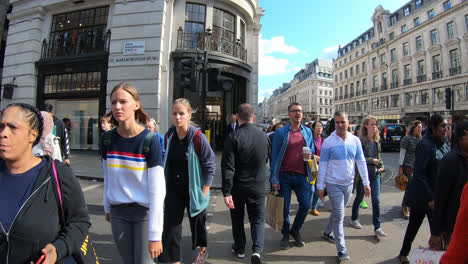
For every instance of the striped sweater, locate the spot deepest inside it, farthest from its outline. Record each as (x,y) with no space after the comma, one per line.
(130,178)
(338,160)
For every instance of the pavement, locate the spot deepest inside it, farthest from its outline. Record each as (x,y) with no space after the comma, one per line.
(362,245)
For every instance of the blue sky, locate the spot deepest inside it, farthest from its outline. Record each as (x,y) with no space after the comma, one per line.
(296,32)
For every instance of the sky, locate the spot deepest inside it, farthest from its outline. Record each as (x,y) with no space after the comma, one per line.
(296,32)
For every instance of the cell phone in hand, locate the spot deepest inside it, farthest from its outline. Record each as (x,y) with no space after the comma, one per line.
(41,259)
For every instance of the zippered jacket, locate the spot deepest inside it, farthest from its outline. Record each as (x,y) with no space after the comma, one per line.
(201,169)
(280,143)
(37,223)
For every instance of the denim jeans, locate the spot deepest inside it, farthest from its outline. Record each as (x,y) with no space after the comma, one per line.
(297,183)
(256,213)
(130,230)
(314,198)
(339,196)
(375,197)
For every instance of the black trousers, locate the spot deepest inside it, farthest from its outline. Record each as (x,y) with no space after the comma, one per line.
(256,212)
(415,220)
(175,204)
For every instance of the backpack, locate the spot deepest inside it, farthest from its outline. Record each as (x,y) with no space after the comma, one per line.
(107,141)
(196,142)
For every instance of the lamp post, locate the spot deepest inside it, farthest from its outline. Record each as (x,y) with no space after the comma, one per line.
(205,77)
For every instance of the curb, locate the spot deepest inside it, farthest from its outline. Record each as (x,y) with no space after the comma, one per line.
(90,178)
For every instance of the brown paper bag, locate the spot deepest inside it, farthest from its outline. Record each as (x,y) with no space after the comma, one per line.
(274,211)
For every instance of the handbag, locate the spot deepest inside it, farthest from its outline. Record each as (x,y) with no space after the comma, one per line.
(86,254)
(401,181)
(424,255)
(274,211)
(313,165)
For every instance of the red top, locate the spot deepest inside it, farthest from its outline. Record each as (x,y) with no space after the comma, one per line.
(457,252)
(293,160)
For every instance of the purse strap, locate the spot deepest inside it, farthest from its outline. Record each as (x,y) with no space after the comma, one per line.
(59,190)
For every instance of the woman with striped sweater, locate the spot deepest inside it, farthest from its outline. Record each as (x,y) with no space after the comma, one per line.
(134,183)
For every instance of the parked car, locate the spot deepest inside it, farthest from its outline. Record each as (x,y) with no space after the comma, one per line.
(391,136)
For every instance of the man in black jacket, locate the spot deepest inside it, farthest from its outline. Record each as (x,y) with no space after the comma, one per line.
(450,181)
(243,170)
(61,132)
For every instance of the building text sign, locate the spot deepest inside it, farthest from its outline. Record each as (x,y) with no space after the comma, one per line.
(134,48)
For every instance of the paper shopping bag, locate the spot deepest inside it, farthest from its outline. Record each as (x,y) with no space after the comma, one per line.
(274,211)
(425,256)
(313,165)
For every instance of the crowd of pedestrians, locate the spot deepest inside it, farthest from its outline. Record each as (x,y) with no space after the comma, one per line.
(151,180)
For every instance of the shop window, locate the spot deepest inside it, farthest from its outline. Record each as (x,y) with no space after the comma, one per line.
(72,82)
(79,32)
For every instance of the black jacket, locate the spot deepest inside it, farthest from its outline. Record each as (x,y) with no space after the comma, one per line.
(245,154)
(61,132)
(450,181)
(38,222)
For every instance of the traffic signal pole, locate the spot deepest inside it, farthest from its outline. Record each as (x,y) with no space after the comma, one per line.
(204,89)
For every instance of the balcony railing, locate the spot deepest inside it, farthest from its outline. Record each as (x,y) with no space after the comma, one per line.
(407,81)
(364,92)
(351,94)
(421,78)
(336,98)
(345,96)
(455,71)
(358,93)
(197,41)
(383,87)
(394,85)
(76,44)
(341,97)
(374,89)
(436,75)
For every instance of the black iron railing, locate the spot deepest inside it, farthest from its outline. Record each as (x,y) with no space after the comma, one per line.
(436,75)
(455,71)
(394,85)
(407,81)
(198,41)
(351,94)
(383,87)
(374,89)
(421,78)
(345,96)
(76,43)
(364,92)
(358,93)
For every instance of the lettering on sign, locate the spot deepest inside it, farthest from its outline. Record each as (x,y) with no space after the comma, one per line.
(134,48)
(135,59)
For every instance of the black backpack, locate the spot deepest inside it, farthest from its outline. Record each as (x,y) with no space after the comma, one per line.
(107,141)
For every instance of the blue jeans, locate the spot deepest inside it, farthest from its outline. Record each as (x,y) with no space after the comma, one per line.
(375,197)
(130,230)
(339,196)
(298,183)
(314,198)
(256,212)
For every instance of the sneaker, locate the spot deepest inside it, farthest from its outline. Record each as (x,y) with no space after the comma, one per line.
(380,233)
(329,237)
(343,256)
(201,258)
(321,203)
(256,258)
(314,212)
(297,238)
(238,253)
(284,244)
(405,212)
(364,205)
(355,224)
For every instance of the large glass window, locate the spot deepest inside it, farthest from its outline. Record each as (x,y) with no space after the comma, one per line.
(384,102)
(383,59)
(393,20)
(357,69)
(419,3)
(72,82)
(78,32)
(454,58)
(438,95)
(404,29)
(84,117)
(434,36)
(407,72)
(405,49)
(450,30)
(424,97)
(417,22)
(395,100)
(447,5)
(224,31)
(194,18)
(411,98)
(430,14)
(374,63)
(394,78)
(407,11)
(419,43)
(436,63)
(393,56)
(421,67)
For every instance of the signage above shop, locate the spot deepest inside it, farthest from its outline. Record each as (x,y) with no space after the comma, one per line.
(134,48)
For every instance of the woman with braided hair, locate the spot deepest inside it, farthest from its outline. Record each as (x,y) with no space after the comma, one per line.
(30,224)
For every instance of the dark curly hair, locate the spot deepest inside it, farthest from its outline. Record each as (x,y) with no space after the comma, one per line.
(34,117)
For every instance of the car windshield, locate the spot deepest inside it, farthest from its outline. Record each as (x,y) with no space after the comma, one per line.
(395,130)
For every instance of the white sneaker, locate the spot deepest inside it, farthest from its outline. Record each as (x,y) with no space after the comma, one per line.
(321,203)
(380,233)
(355,224)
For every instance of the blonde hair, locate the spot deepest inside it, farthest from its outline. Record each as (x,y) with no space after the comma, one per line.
(140,114)
(106,118)
(363,134)
(415,124)
(188,107)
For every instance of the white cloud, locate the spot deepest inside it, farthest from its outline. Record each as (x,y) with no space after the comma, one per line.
(265,93)
(270,65)
(276,44)
(330,52)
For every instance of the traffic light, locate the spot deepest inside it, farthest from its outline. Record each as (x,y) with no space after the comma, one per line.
(187,74)
(217,82)
(448,98)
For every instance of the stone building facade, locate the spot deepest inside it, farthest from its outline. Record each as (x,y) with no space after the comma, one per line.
(72,53)
(398,69)
(311,87)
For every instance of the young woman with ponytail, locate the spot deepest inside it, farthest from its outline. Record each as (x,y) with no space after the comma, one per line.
(134,183)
